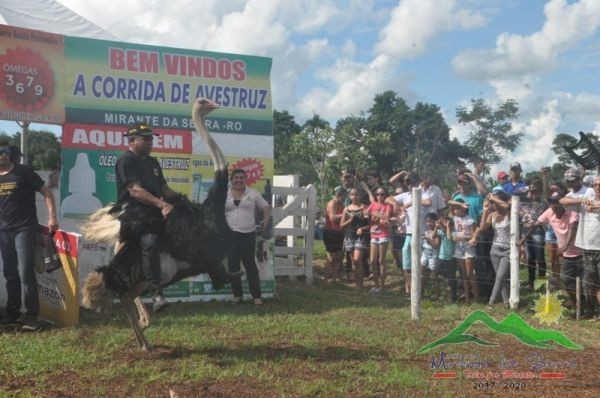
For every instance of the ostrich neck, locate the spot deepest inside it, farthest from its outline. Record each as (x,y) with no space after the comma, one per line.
(215,151)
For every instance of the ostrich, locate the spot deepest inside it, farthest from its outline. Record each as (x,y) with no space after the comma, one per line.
(196,240)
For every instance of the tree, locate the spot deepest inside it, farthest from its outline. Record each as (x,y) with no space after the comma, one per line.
(284,128)
(429,146)
(313,145)
(390,114)
(356,147)
(491,128)
(419,138)
(44,149)
(562,140)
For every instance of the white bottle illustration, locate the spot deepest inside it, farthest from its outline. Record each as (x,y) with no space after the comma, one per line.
(82,186)
(205,187)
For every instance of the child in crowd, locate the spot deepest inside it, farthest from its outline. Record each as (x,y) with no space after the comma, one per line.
(429,254)
(356,238)
(398,230)
(446,263)
(379,215)
(464,252)
(333,235)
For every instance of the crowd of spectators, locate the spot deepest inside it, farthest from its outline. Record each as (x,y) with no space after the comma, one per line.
(465,233)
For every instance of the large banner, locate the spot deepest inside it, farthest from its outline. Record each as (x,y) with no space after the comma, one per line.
(110,85)
(119,83)
(31,76)
(96,88)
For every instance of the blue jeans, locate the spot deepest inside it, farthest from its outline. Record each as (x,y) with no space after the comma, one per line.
(18,248)
(501,261)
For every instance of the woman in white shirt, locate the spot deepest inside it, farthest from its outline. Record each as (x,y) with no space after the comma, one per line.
(240,207)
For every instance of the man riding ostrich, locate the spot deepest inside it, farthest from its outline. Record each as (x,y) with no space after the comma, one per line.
(195,239)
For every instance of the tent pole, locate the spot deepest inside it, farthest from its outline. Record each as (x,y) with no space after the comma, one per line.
(24,139)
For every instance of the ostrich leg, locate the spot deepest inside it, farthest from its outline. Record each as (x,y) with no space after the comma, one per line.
(144,316)
(127,300)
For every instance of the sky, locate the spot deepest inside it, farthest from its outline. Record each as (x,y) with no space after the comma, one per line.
(332,57)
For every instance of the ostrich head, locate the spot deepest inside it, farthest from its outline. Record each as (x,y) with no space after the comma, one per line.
(203,106)
(94,294)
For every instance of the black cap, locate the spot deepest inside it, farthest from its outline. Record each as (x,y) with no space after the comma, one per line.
(141,129)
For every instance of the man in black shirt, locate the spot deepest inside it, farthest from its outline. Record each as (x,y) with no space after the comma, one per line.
(18,233)
(142,186)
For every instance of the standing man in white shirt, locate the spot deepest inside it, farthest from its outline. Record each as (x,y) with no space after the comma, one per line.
(404,200)
(586,201)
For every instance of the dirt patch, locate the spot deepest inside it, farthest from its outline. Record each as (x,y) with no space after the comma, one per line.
(63,386)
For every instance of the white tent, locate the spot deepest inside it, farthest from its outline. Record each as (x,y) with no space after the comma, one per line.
(49,16)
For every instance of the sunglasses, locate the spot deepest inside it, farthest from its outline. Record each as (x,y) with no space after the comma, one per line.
(4,151)
(379,194)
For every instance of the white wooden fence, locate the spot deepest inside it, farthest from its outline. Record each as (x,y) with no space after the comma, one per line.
(296,221)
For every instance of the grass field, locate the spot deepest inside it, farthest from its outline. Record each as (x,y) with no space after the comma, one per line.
(311,340)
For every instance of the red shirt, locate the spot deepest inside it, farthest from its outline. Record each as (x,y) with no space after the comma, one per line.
(330,224)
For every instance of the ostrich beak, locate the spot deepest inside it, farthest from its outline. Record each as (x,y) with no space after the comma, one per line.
(212,105)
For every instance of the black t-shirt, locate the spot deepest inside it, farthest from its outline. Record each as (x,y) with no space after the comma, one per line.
(17,197)
(146,171)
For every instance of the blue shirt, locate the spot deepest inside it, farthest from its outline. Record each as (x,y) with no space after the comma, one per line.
(446,246)
(519,187)
(475,201)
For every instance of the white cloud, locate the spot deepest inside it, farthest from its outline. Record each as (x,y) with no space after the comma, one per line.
(323,15)
(350,86)
(459,131)
(415,23)
(517,56)
(349,49)
(519,88)
(285,76)
(583,107)
(355,86)
(538,135)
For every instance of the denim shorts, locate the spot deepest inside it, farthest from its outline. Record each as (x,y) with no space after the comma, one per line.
(356,242)
(550,235)
(406,253)
(463,250)
(380,241)
(429,259)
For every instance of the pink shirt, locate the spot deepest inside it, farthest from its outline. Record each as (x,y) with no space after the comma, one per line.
(561,227)
(379,228)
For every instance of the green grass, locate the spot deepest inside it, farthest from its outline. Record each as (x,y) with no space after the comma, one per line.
(311,340)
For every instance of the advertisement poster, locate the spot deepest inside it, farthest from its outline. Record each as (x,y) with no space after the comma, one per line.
(58,282)
(89,155)
(31,76)
(97,88)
